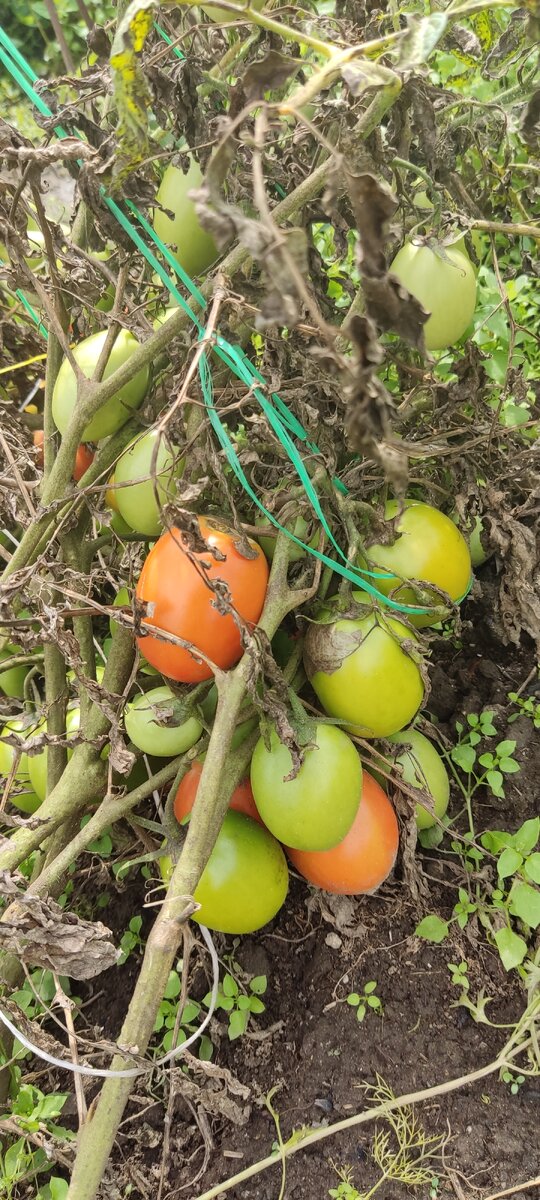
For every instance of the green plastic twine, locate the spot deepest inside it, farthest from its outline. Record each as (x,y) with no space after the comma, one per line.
(284,424)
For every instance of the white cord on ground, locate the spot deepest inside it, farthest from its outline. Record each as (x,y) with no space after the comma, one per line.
(130,1073)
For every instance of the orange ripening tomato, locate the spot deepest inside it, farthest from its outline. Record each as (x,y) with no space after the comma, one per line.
(83,460)
(362,861)
(241,800)
(173,584)
(38,438)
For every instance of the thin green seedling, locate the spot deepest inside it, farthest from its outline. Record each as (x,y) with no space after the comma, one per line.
(240,1004)
(131,940)
(366,1000)
(345,1189)
(526,708)
(513,1080)
(473,770)
(174,1031)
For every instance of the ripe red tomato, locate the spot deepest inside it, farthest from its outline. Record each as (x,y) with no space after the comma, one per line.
(174,584)
(367,853)
(38,438)
(83,460)
(241,800)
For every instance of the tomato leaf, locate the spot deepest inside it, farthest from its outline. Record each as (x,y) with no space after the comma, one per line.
(131,92)
(421,37)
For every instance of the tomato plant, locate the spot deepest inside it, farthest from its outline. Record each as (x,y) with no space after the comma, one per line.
(83,460)
(428,548)
(37,763)
(26,800)
(173,581)
(135,488)
(361,673)
(155,723)
(193,247)
(241,800)
(314,810)
(245,881)
(365,857)
(443,279)
(11,678)
(119,408)
(422,767)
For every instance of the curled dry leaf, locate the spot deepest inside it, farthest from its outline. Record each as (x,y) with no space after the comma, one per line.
(41,934)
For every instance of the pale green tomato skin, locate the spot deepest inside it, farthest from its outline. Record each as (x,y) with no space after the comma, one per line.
(120,407)
(162,741)
(315,810)
(37,763)
(27,801)
(245,881)
(299,529)
(12,678)
(446,289)
(222,16)
(192,246)
(378,688)
(423,767)
(472,532)
(137,504)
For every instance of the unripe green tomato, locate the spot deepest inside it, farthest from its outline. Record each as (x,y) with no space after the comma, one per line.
(472,531)
(37,763)
(27,801)
(222,16)
(137,503)
(315,810)
(143,728)
(245,881)
(445,287)
(164,315)
(120,407)
(192,246)
(12,678)
(423,767)
(360,673)
(427,548)
(298,527)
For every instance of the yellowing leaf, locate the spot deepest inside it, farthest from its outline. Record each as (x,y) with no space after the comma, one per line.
(131,91)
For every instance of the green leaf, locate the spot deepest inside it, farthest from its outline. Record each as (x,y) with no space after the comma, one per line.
(496,780)
(473,720)
(525,904)
(486,760)
(432,928)
(532,868)
(526,837)
(374,1002)
(229,986)
(237,1024)
(353,999)
(256,1005)
(361,1012)
(370,987)
(258,985)
(512,949)
(226,1003)
(243,1003)
(496,839)
(464,757)
(206,1048)
(431,838)
(190,1012)
(509,766)
(505,749)
(173,986)
(509,862)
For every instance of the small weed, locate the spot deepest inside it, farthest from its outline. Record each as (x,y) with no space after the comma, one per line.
(514,1081)
(33,1112)
(368,999)
(346,1189)
(403,1152)
(486,769)
(528,708)
(239,1004)
(459,975)
(167,1019)
(131,940)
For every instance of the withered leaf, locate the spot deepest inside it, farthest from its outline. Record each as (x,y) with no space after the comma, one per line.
(268,74)
(393,308)
(41,934)
(373,205)
(360,75)
(530,122)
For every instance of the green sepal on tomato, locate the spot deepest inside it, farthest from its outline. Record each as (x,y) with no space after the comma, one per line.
(245,881)
(156,725)
(361,672)
(314,810)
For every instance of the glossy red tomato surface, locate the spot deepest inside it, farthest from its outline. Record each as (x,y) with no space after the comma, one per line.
(173,584)
(241,800)
(367,853)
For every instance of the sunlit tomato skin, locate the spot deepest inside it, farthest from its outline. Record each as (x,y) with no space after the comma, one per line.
(222,16)
(120,407)
(314,810)
(192,246)
(445,287)
(26,801)
(183,604)
(83,460)
(38,438)
(429,548)
(241,800)
(365,857)
(11,678)
(142,717)
(423,767)
(37,763)
(365,678)
(245,881)
(135,492)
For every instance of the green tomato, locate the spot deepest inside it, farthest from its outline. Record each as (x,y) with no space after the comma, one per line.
(120,407)
(472,530)
(137,502)
(245,881)
(427,548)
(423,768)
(361,674)
(26,801)
(142,721)
(445,287)
(37,763)
(193,247)
(12,678)
(298,527)
(223,16)
(315,810)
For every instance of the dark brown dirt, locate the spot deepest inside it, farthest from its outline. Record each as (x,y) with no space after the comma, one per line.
(309,1044)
